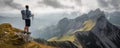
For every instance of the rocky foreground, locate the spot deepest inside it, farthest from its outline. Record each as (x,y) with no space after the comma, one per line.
(9,38)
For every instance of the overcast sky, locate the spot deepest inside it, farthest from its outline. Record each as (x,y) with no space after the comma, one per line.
(53,6)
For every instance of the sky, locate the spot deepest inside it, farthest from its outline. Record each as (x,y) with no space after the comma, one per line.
(58,6)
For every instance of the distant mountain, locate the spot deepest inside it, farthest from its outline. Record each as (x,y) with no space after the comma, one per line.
(102,35)
(68,26)
(95,32)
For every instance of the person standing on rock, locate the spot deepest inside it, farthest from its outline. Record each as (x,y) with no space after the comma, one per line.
(26,14)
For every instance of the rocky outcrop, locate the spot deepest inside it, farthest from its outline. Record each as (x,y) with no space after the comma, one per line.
(11,37)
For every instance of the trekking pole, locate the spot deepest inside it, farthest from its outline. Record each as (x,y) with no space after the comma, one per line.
(32,17)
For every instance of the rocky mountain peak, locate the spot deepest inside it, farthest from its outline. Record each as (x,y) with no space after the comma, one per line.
(102,35)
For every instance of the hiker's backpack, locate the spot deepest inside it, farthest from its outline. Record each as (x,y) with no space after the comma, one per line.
(23,14)
(26,14)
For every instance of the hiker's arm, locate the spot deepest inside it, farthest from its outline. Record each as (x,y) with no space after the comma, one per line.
(31,14)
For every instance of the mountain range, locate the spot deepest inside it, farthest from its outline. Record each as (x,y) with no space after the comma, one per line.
(92,31)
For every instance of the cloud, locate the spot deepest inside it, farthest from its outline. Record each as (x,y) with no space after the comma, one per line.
(109,4)
(9,3)
(103,3)
(78,2)
(115,4)
(54,4)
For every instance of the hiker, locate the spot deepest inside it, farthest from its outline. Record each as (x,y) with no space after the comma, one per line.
(26,14)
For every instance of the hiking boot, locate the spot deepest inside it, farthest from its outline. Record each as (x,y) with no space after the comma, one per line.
(28,32)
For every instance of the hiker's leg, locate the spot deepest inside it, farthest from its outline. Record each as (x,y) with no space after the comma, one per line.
(27,29)
(24,29)
(28,24)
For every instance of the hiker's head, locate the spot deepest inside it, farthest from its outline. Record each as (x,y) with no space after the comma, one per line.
(26,6)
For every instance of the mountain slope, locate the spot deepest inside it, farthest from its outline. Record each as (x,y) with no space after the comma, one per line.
(84,22)
(95,32)
(102,35)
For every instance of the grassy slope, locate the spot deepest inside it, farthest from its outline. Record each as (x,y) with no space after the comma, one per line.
(8,39)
